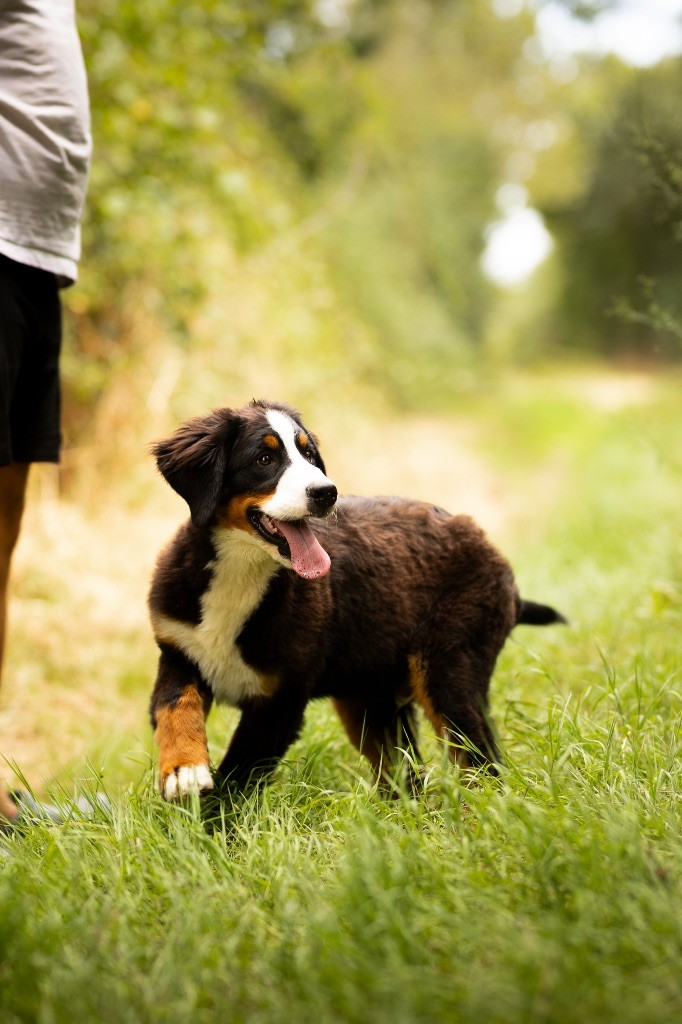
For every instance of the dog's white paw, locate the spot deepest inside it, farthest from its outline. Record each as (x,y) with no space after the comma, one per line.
(186,780)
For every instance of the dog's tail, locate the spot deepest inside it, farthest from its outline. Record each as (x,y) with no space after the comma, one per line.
(532,614)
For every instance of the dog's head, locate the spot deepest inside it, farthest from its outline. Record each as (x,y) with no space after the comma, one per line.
(257,470)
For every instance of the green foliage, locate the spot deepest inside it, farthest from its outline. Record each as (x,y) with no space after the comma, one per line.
(355,151)
(232,128)
(406,251)
(177,153)
(618,239)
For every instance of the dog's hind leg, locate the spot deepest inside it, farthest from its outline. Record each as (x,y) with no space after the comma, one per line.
(179,705)
(382,732)
(453,693)
(265,732)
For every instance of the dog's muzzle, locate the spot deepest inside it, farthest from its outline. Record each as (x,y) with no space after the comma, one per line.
(321,499)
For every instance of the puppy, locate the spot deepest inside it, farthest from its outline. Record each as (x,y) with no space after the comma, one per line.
(264,600)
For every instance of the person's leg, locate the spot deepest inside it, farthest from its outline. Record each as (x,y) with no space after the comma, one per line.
(30,340)
(12,491)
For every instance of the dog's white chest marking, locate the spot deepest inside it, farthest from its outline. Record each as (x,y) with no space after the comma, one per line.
(240,578)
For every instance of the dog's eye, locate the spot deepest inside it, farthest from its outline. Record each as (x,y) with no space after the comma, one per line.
(309,455)
(265,459)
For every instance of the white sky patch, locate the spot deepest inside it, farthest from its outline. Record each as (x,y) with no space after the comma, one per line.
(333,14)
(508,8)
(640,32)
(279,39)
(516,244)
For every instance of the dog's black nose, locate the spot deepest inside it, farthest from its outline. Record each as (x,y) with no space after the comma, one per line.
(321,498)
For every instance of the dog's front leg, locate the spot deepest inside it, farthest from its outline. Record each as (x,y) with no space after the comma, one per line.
(179,705)
(266,730)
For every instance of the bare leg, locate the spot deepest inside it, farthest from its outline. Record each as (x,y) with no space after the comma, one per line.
(12,491)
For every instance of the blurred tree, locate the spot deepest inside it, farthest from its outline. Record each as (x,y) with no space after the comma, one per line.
(342,158)
(618,235)
(180,136)
(196,141)
(438,95)
(236,122)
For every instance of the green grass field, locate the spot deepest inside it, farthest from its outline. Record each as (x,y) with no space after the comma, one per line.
(551,895)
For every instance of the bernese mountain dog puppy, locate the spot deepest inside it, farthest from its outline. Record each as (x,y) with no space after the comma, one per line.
(276,592)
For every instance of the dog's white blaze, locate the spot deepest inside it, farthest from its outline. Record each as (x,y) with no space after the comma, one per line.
(290,500)
(240,578)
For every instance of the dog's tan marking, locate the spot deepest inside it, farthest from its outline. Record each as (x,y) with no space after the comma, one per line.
(235,515)
(302,439)
(269,684)
(352,714)
(271,441)
(161,638)
(418,670)
(181,734)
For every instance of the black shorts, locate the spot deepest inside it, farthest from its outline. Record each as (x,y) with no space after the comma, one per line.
(30,341)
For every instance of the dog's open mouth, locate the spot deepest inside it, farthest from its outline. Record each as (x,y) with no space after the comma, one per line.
(294,540)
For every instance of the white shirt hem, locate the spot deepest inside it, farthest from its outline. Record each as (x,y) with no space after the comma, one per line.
(65,270)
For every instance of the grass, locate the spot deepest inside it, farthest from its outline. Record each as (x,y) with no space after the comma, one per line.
(552,895)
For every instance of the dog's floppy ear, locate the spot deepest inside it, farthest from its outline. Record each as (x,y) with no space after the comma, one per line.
(193,461)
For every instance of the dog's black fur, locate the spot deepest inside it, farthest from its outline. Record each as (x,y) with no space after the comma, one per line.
(415,608)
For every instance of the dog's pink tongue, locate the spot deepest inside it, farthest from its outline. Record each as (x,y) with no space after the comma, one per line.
(308,557)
